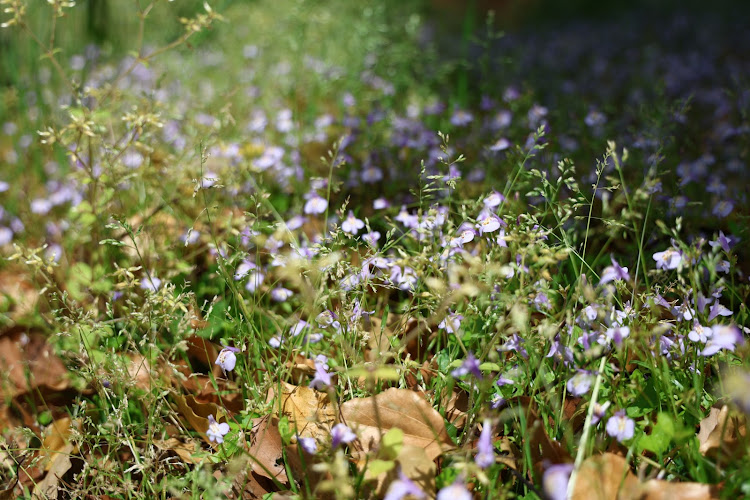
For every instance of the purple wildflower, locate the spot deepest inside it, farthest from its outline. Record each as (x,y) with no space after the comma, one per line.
(600,410)
(6,236)
(227,359)
(461,118)
(470,365)
(668,259)
(617,333)
(151,283)
(308,444)
(718,310)
(341,433)
(351,224)
(723,208)
(555,481)
(614,272)
(722,241)
(315,204)
(216,431)
(281,294)
(322,379)
(722,337)
(380,204)
(451,323)
(456,491)
(489,224)
(580,383)
(403,487)
(485,451)
(620,426)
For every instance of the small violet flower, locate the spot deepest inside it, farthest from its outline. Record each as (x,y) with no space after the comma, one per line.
(620,427)
(403,487)
(489,224)
(456,491)
(227,359)
(600,410)
(722,337)
(614,272)
(315,204)
(485,451)
(351,224)
(308,444)
(555,481)
(470,365)
(322,379)
(451,323)
(580,383)
(668,259)
(341,433)
(216,431)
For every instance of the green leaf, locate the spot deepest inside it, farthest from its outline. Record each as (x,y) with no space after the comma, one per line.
(377,467)
(392,442)
(661,435)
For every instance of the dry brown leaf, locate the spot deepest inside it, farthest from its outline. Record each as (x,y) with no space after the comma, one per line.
(201,350)
(301,368)
(23,353)
(57,449)
(308,410)
(139,371)
(183,450)
(397,408)
(416,465)
(197,413)
(509,452)
(456,407)
(665,490)
(605,477)
(721,431)
(19,292)
(48,488)
(379,341)
(266,449)
(543,448)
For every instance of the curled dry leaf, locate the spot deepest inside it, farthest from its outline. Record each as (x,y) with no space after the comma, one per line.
(308,410)
(605,477)
(266,449)
(456,407)
(139,371)
(416,465)
(665,490)
(608,477)
(184,450)
(201,351)
(18,296)
(422,425)
(23,354)
(57,449)
(721,431)
(197,413)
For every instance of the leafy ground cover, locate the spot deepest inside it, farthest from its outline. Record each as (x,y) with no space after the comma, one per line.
(282,250)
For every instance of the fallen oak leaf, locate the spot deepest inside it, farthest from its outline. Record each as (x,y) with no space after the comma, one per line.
(29,361)
(666,490)
(57,448)
(266,450)
(197,414)
(308,410)
(183,450)
(372,417)
(720,431)
(605,477)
